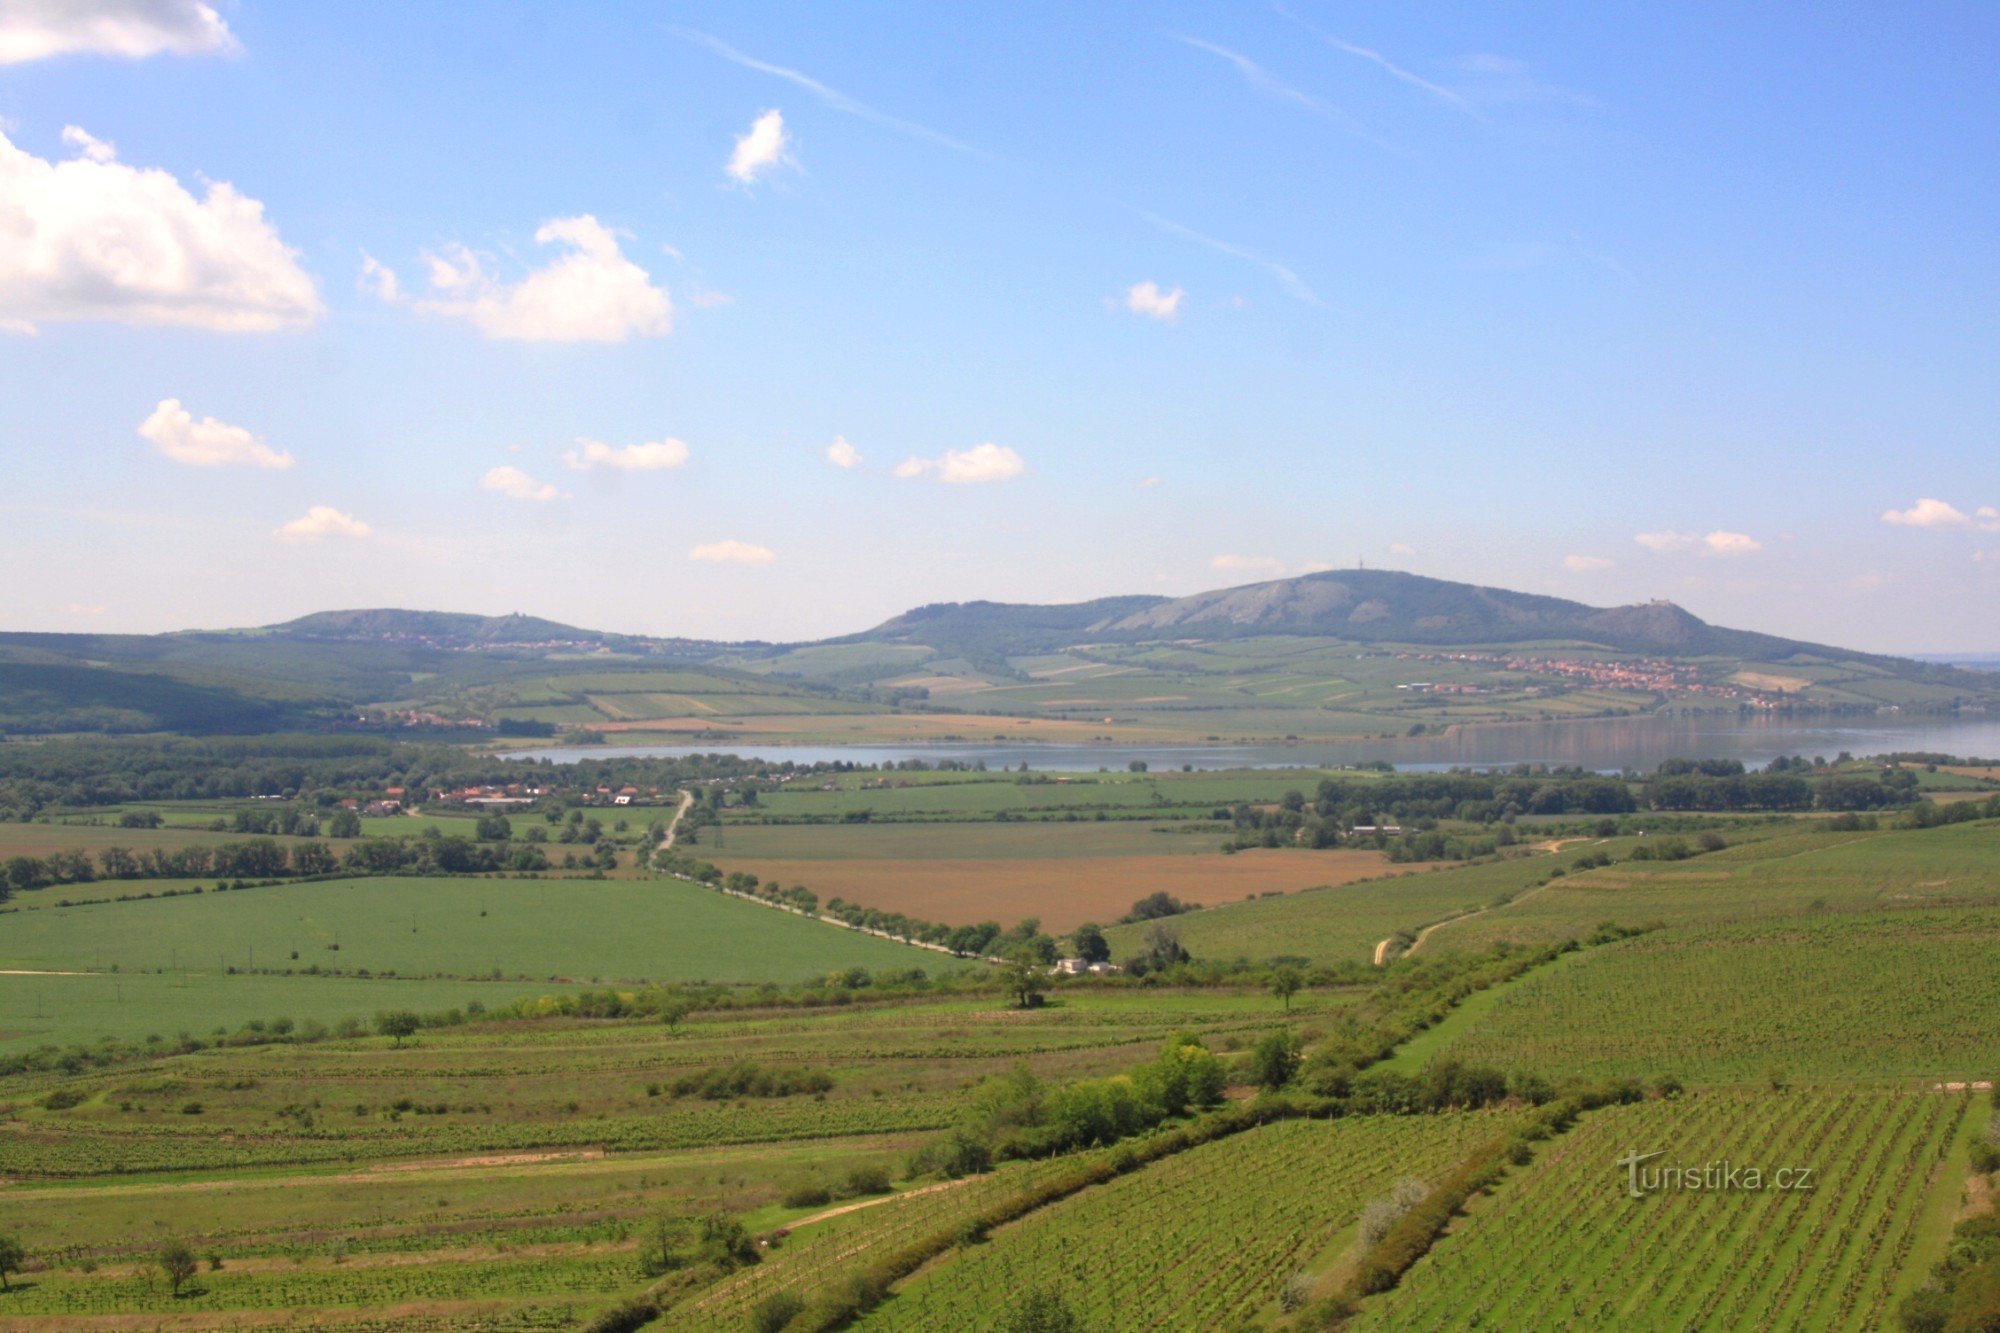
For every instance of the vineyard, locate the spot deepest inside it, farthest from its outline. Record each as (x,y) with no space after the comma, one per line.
(1564,1246)
(1786,872)
(1909,994)
(1199,1240)
(819,1256)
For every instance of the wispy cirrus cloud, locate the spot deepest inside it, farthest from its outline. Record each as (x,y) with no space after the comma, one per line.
(1443,94)
(1285,275)
(833,97)
(1276,88)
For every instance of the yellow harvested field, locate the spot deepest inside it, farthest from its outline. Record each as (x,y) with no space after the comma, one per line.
(1064,892)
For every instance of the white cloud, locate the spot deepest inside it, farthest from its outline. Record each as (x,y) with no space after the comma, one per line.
(1715,543)
(1146,298)
(733,553)
(1401,548)
(379,278)
(38,29)
(761,148)
(93,239)
(511,481)
(86,609)
(321,522)
(89,145)
(1731,543)
(1247,564)
(961,467)
(1147,483)
(173,430)
(842,454)
(1585,564)
(591,294)
(1936,514)
(653,457)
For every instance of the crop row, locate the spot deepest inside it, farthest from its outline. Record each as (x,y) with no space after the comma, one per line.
(296,1288)
(1567,1246)
(90,1151)
(1200,1240)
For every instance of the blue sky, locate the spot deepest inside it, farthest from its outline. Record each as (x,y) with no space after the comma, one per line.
(1608,301)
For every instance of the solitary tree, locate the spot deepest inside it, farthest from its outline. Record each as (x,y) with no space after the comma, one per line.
(397,1023)
(1090,945)
(12,1256)
(176,1263)
(1025,977)
(1286,984)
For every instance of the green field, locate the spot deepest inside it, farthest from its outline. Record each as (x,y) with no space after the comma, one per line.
(1783,873)
(1905,995)
(652,930)
(1563,1246)
(38,1011)
(1296,1188)
(1345,923)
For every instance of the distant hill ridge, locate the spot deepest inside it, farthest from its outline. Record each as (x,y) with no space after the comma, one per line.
(1359,605)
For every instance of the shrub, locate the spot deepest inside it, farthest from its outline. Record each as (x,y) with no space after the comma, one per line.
(774,1312)
(866,1180)
(807,1196)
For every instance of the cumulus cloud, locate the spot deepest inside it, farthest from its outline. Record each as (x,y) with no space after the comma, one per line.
(173,430)
(593,293)
(1401,548)
(1585,564)
(842,454)
(733,552)
(380,279)
(1936,514)
(1247,564)
(1731,543)
(760,149)
(93,239)
(512,482)
(653,457)
(962,467)
(321,522)
(1146,298)
(134,29)
(1715,543)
